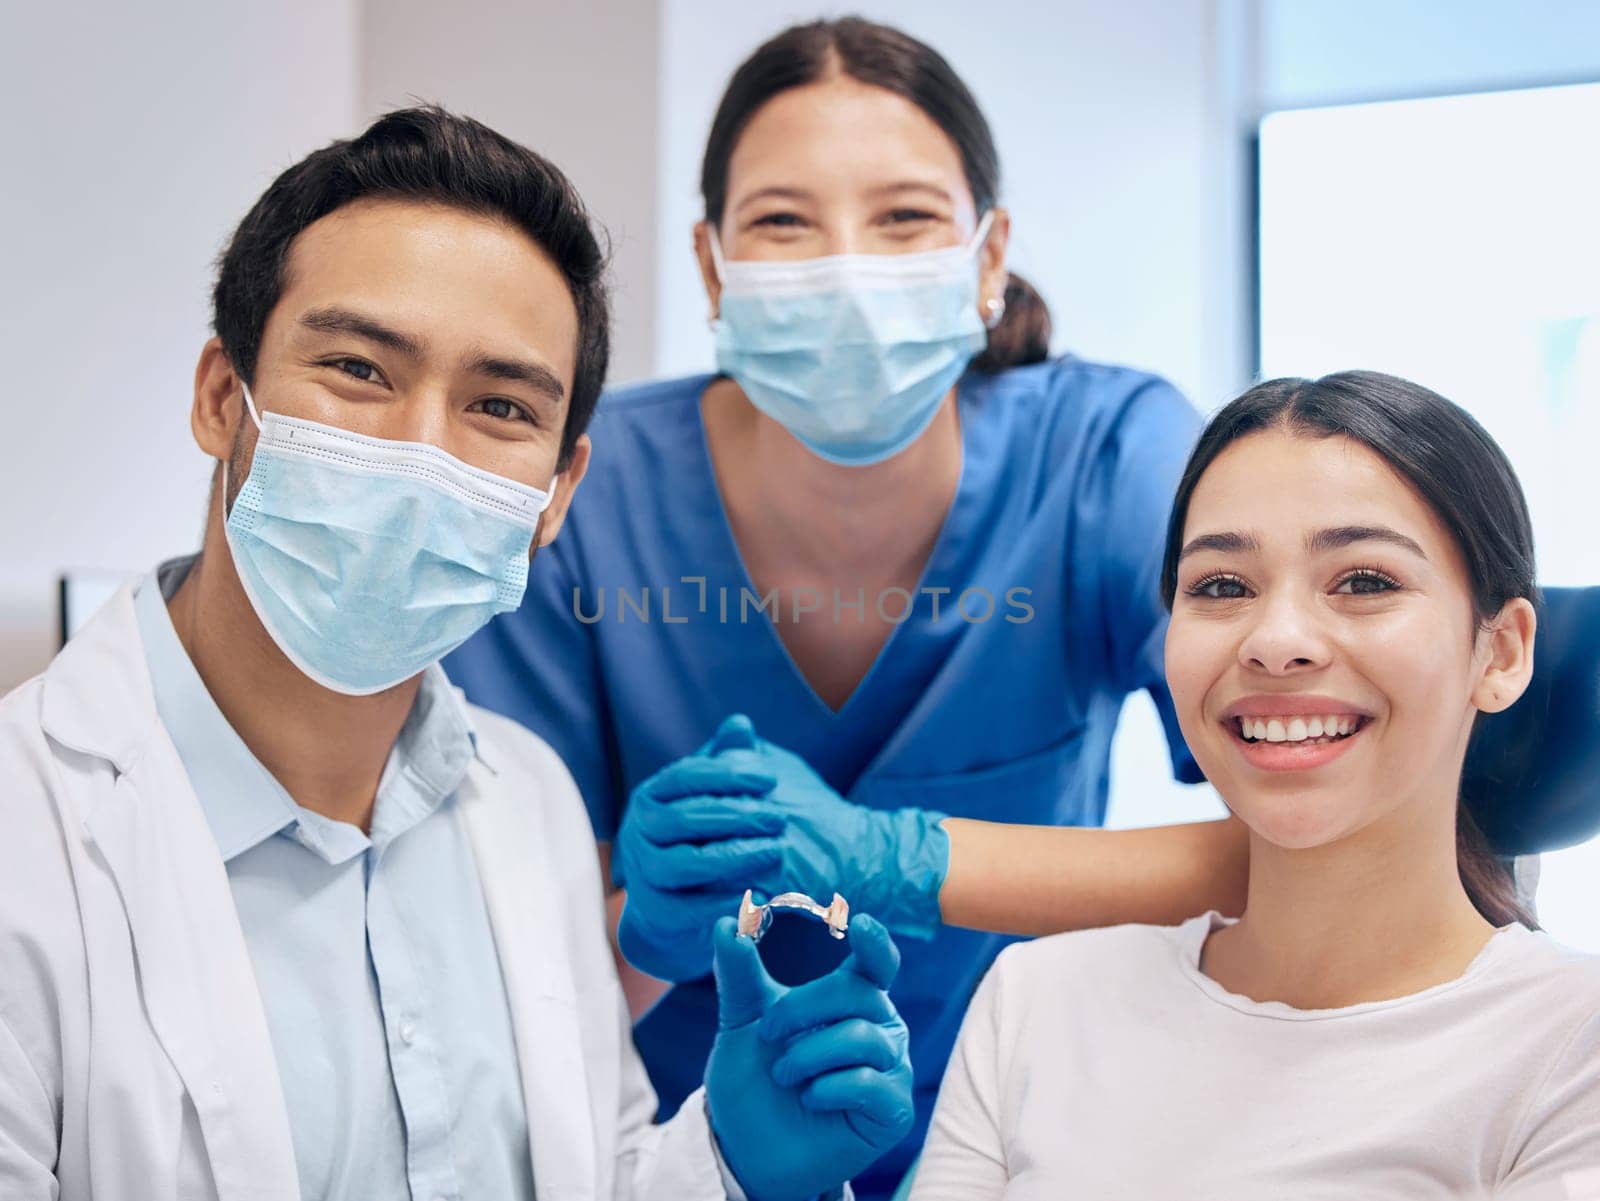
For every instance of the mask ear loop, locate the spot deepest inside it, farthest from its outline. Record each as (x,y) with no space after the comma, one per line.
(250,408)
(981,234)
(995,306)
(719,266)
(250,405)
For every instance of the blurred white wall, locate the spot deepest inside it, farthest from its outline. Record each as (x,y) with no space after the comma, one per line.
(577,82)
(135,138)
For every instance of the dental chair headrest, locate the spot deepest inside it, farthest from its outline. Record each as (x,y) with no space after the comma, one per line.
(1532,776)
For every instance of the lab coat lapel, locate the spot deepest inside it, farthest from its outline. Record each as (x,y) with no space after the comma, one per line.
(530,935)
(196,978)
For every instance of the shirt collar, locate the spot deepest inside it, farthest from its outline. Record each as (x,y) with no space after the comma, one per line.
(243,803)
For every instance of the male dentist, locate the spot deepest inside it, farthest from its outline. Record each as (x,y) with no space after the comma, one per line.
(281,916)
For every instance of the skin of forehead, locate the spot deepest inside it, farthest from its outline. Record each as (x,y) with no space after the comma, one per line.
(839,134)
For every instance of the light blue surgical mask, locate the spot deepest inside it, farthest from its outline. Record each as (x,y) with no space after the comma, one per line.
(366,559)
(851,353)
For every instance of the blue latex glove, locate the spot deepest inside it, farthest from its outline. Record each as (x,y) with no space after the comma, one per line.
(807,1086)
(744,813)
(678,886)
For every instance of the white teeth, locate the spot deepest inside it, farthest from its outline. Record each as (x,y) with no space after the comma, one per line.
(1296,729)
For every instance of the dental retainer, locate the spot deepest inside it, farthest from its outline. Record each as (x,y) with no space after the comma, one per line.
(755,919)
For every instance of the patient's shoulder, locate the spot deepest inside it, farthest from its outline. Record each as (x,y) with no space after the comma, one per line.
(1106,965)
(1542,972)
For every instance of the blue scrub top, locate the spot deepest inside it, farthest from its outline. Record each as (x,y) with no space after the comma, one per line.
(641,631)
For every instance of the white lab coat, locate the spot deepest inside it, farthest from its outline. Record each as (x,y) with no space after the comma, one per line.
(135,1062)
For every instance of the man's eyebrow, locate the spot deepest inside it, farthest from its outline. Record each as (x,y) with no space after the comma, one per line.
(1228,543)
(517,371)
(335,320)
(1339,536)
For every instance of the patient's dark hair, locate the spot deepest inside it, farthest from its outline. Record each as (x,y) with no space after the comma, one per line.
(1461,473)
(428,155)
(886,58)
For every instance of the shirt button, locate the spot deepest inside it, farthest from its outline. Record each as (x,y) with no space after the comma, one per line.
(408,1034)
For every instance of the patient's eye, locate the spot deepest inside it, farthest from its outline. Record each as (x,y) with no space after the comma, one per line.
(1220,587)
(1368,581)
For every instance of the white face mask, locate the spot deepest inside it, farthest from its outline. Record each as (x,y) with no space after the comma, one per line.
(851,353)
(368,559)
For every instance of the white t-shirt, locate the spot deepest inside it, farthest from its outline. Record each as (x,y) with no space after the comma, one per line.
(1104,1066)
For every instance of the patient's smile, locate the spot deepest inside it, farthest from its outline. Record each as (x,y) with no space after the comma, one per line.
(1298,729)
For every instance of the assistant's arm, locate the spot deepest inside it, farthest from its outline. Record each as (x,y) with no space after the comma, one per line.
(1046,879)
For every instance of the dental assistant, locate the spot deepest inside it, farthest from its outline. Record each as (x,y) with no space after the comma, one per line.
(281,916)
(906,546)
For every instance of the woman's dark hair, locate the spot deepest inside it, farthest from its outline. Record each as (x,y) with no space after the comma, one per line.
(1437,448)
(424,154)
(883,57)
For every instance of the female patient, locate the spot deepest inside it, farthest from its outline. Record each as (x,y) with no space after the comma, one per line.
(1350,570)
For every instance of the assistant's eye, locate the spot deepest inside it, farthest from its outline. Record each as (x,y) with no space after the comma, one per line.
(780,220)
(906,216)
(1367,581)
(1220,587)
(502,409)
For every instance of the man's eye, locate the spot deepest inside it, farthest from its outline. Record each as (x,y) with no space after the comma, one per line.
(1220,587)
(504,410)
(356,368)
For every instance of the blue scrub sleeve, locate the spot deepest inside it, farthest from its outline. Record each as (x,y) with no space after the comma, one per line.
(539,666)
(1138,468)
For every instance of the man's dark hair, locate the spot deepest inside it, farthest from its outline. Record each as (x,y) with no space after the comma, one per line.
(430,155)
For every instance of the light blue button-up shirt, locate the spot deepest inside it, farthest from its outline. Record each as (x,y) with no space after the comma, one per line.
(373,953)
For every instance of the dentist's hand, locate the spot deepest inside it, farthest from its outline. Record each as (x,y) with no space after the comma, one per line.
(807,1086)
(744,813)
